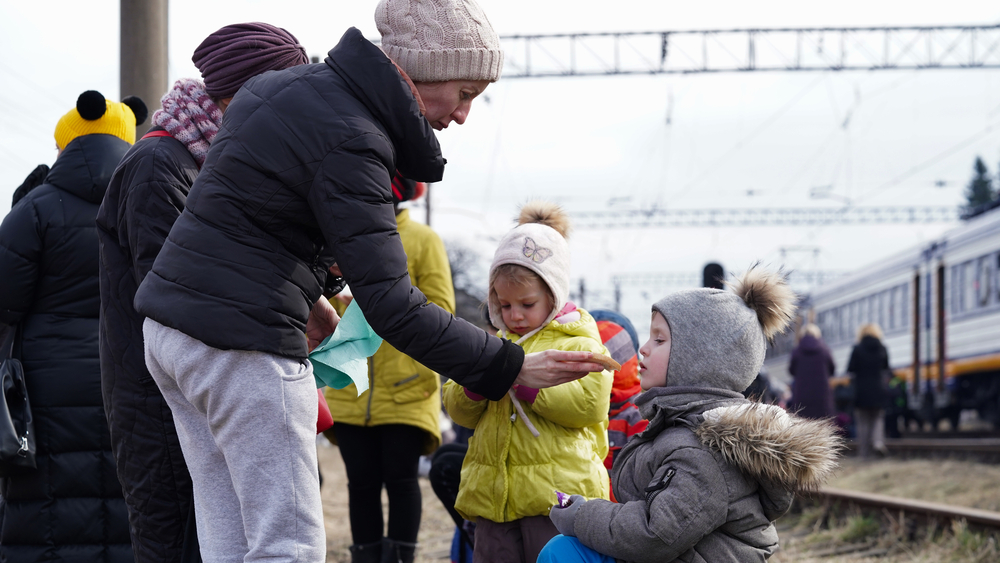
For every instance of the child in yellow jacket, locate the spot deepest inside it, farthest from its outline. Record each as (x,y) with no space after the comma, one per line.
(532,442)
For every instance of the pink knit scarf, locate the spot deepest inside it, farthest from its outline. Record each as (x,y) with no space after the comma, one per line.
(190,116)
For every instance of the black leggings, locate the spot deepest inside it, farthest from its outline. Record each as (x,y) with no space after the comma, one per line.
(375,455)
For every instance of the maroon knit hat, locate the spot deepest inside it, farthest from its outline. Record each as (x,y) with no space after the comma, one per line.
(236,53)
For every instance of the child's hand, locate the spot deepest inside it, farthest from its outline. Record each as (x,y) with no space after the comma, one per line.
(564,518)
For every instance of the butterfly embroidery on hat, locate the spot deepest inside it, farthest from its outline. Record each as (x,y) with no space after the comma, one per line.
(535,252)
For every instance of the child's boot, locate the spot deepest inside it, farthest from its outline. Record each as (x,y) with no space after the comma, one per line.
(366,553)
(397,551)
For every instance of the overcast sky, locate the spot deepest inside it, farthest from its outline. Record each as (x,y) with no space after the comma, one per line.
(732,140)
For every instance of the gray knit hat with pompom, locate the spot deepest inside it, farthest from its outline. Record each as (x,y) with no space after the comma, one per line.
(718,338)
(439,40)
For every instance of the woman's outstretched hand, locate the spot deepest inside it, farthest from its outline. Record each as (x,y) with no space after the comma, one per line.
(323,320)
(554,367)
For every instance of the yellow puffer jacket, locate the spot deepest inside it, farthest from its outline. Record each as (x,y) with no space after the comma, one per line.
(509,474)
(402,391)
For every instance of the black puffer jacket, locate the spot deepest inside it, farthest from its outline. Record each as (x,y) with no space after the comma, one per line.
(70,508)
(870,364)
(145,197)
(299,177)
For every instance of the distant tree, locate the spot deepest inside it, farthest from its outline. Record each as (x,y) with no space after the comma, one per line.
(469,276)
(980,190)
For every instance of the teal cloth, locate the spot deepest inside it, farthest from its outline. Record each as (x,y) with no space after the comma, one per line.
(342,358)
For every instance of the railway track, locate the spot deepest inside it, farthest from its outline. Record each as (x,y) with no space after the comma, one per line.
(898,519)
(984,450)
(906,508)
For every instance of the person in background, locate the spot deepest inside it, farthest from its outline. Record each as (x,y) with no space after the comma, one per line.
(70,508)
(624,419)
(532,442)
(297,180)
(712,472)
(145,197)
(869,367)
(811,367)
(383,433)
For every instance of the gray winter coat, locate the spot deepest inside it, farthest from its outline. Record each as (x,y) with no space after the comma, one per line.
(706,480)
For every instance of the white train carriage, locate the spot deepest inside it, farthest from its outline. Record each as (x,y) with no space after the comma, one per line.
(939,307)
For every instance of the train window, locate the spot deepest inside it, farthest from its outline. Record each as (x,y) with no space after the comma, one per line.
(904,305)
(983,281)
(891,310)
(956,289)
(969,280)
(884,317)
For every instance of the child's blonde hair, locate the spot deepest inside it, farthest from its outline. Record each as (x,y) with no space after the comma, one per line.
(520,277)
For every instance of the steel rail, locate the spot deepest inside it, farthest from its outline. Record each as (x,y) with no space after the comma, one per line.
(986,518)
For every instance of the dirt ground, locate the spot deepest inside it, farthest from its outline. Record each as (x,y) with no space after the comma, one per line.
(954,482)
(436,527)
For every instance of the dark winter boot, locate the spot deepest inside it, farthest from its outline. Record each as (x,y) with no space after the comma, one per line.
(366,553)
(397,551)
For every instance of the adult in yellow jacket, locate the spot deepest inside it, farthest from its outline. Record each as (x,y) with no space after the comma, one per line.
(532,442)
(383,433)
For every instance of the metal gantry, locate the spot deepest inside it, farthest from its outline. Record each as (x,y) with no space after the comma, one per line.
(747,50)
(761,217)
(694,279)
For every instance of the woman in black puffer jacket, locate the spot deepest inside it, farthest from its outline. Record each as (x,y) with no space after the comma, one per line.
(298,179)
(70,508)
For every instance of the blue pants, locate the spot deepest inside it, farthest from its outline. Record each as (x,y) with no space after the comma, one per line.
(564,549)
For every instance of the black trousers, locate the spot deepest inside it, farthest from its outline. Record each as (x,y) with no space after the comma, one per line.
(374,456)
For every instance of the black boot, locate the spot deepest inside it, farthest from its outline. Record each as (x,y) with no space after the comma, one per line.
(397,551)
(366,553)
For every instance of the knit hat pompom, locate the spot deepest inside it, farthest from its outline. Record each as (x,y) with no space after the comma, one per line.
(439,40)
(545,213)
(768,294)
(93,114)
(138,108)
(91,105)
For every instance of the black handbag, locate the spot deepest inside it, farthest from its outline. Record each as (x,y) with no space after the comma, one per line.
(17,430)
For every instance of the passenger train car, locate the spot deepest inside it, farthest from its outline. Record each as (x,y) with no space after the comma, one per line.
(939,307)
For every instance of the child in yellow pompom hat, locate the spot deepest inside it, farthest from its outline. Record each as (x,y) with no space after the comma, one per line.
(94,114)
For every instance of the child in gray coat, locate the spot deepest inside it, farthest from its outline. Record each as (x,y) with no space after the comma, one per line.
(712,472)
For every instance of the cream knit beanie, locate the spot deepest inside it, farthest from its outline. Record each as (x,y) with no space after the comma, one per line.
(439,40)
(539,244)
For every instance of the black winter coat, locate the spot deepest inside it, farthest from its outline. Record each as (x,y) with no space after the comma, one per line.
(70,508)
(869,363)
(144,198)
(298,178)
(812,367)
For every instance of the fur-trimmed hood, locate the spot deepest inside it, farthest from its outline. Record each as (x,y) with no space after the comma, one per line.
(774,447)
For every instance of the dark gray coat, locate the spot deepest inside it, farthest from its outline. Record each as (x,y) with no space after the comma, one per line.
(298,178)
(706,480)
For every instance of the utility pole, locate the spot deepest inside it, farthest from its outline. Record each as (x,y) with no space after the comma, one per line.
(143,53)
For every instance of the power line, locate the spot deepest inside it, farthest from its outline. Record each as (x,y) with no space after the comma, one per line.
(763,217)
(747,50)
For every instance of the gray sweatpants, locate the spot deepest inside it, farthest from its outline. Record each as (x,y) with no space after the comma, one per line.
(247,427)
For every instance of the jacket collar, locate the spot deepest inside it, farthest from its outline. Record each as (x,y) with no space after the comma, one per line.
(86,165)
(375,81)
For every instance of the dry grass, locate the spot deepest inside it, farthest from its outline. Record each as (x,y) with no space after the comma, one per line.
(809,538)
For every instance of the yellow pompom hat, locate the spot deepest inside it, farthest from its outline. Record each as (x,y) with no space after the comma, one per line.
(94,114)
